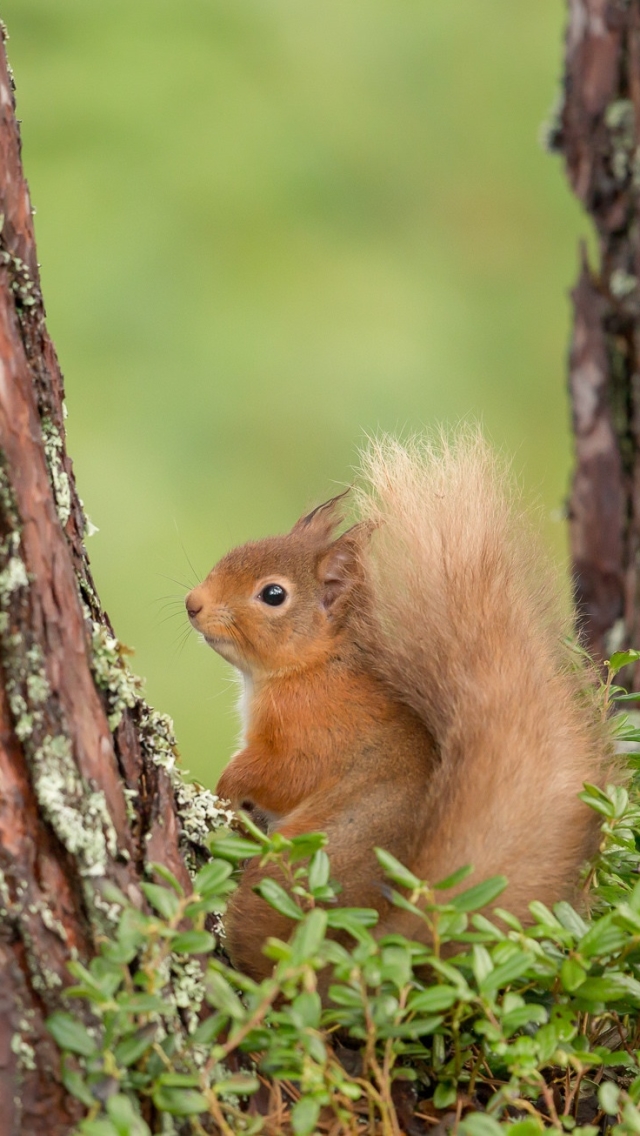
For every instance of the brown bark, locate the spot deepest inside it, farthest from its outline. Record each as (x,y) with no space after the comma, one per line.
(75,736)
(599,134)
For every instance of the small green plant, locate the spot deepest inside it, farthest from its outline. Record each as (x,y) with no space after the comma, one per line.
(491,1025)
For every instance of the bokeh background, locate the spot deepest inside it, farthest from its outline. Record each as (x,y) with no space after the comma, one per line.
(267,227)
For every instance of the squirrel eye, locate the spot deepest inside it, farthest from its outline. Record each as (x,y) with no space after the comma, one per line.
(273,594)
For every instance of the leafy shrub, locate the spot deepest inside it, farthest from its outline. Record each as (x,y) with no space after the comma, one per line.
(520,1028)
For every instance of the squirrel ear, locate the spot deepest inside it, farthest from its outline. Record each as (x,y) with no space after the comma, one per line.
(321,521)
(340,567)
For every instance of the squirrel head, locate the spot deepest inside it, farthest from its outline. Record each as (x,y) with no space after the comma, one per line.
(281,604)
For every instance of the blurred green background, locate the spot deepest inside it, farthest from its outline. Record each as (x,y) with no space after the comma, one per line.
(269,226)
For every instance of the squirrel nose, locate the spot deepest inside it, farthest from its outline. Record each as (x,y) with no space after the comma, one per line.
(194,604)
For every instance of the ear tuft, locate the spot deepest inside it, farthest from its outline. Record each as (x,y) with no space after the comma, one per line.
(322,521)
(340,568)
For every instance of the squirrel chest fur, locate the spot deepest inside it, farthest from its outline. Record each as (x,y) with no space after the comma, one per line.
(407,686)
(332,734)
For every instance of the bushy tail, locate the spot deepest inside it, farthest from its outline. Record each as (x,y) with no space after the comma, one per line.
(467,627)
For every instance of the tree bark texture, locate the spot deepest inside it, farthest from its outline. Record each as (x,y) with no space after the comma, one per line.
(88,788)
(598,132)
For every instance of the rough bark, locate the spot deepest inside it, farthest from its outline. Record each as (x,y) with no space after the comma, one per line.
(88,790)
(598,133)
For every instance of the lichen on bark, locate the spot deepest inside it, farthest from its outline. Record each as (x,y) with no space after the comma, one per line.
(92,789)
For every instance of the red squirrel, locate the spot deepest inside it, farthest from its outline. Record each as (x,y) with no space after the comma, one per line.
(406,686)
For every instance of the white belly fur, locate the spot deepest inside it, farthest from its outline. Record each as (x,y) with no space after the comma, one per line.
(243,706)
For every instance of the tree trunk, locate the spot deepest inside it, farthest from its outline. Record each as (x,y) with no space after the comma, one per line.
(598,133)
(88,788)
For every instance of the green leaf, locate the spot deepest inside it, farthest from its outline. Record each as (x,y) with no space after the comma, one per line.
(309,935)
(523,1016)
(168,877)
(193,943)
(180,1102)
(304,1116)
(529,1127)
(572,975)
(100,1127)
(126,1120)
(603,938)
(452,924)
(179,1080)
(454,879)
(481,963)
(516,965)
(434,999)
(233,848)
(608,1097)
(319,869)
(345,996)
(252,828)
(277,897)
(221,995)
(131,1048)
(620,659)
(211,878)
(308,1007)
(602,806)
(301,847)
(543,916)
(75,1084)
(445,1095)
(396,871)
(164,901)
(142,1003)
(480,895)
(511,921)
(355,920)
(396,965)
(633,899)
(131,929)
(570,919)
(242,1083)
(213,902)
(610,988)
(112,894)
(481,923)
(70,1034)
(209,1029)
(417,1028)
(479,1124)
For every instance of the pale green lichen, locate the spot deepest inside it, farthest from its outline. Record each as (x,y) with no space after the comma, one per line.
(25,1053)
(78,815)
(51,923)
(21,282)
(5,898)
(112,675)
(200,810)
(38,687)
(14,575)
(622,283)
(43,979)
(620,120)
(187,988)
(130,795)
(620,116)
(158,738)
(54,452)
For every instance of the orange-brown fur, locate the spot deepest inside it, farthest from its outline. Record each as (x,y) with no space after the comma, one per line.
(412,693)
